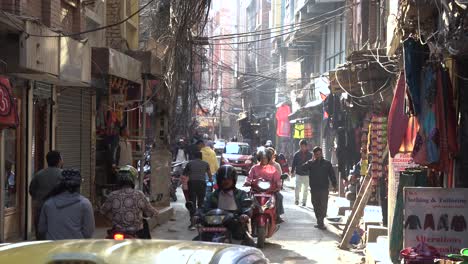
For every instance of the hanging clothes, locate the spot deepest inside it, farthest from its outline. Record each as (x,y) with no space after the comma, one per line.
(407,145)
(283,128)
(415,56)
(397,118)
(299,131)
(446,121)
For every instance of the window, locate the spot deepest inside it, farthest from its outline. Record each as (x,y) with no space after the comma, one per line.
(237,149)
(11,184)
(334,46)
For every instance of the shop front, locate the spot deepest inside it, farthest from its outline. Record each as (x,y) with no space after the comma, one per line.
(31,68)
(118,82)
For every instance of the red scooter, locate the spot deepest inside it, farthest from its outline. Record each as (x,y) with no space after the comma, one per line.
(264,223)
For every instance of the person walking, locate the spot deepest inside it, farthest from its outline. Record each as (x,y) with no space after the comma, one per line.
(43,182)
(180,152)
(123,153)
(196,170)
(66,214)
(321,173)
(300,172)
(208,155)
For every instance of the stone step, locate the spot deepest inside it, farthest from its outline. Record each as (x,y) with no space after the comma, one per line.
(165,214)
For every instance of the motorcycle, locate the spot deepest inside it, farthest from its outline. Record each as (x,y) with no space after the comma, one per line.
(177,170)
(116,233)
(146,170)
(264,218)
(213,226)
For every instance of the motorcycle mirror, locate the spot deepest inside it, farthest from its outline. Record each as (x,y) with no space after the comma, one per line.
(284,176)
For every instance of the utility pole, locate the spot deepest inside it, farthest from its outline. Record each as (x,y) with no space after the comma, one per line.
(220,96)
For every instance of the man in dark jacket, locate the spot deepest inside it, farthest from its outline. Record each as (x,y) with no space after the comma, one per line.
(320,174)
(301,173)
(229,198)
(43,183)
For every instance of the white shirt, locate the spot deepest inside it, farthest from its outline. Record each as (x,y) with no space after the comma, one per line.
(125,157)
(181,156)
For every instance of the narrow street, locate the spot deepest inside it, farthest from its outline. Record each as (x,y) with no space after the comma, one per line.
(297,241)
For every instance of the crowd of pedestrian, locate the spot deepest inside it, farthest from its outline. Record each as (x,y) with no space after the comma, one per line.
(60,212)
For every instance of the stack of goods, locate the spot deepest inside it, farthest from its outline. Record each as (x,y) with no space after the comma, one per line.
(376,149)
(364,142)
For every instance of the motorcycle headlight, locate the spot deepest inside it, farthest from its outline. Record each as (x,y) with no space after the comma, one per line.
(264,185)
(214,219)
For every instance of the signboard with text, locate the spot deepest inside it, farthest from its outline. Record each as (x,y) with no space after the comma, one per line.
(437,217)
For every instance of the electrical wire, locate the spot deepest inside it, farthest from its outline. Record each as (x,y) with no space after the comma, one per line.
(282,34)
(60,35)
(381,89)
(269,30)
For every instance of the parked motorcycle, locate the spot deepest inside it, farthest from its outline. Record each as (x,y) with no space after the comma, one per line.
(177,170)
(264,216)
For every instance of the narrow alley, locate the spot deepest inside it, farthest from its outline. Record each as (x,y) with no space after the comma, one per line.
(296,242)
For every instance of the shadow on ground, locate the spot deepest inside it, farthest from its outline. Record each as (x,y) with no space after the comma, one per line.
(285,256)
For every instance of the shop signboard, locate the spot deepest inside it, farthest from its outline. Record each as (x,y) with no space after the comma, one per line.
(399,163)
(437,217)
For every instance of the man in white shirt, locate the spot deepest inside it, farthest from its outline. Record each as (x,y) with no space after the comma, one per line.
(123,154)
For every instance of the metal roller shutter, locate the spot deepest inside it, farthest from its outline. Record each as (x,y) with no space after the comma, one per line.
(86,141)
(74,131)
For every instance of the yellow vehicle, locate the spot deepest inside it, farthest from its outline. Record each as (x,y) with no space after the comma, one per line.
(128,251)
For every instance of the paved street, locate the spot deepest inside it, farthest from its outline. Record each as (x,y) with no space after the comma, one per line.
(297,241)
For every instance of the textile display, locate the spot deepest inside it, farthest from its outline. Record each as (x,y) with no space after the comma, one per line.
(397,118)
(283,128)
(299,131)
(431,99)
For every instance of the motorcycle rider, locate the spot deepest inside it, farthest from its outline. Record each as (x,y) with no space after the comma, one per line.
(265,170)
(227,197)
(127,207)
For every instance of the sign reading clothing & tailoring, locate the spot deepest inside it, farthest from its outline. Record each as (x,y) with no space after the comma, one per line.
(437,217)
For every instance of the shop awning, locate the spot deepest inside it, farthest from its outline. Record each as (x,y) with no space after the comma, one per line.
(150,64)
(107,61)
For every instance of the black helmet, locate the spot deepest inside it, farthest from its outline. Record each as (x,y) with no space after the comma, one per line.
(264,152)
(71,178)
(225,172)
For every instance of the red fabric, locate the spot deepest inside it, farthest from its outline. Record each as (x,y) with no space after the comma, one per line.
(8,105)
(323,96)
(446,124)
(397,118)
(407,145)
(283,128)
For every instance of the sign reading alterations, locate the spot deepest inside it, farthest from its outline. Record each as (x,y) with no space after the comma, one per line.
(437,217)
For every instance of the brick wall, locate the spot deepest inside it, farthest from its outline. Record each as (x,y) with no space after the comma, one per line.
(373,13)
(31,8)
(114,35)
(9,6)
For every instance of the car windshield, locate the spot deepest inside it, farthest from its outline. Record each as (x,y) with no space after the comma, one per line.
(237,149)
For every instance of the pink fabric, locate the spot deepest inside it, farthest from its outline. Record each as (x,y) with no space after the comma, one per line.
(397,118)
(283,128)
(268,172)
